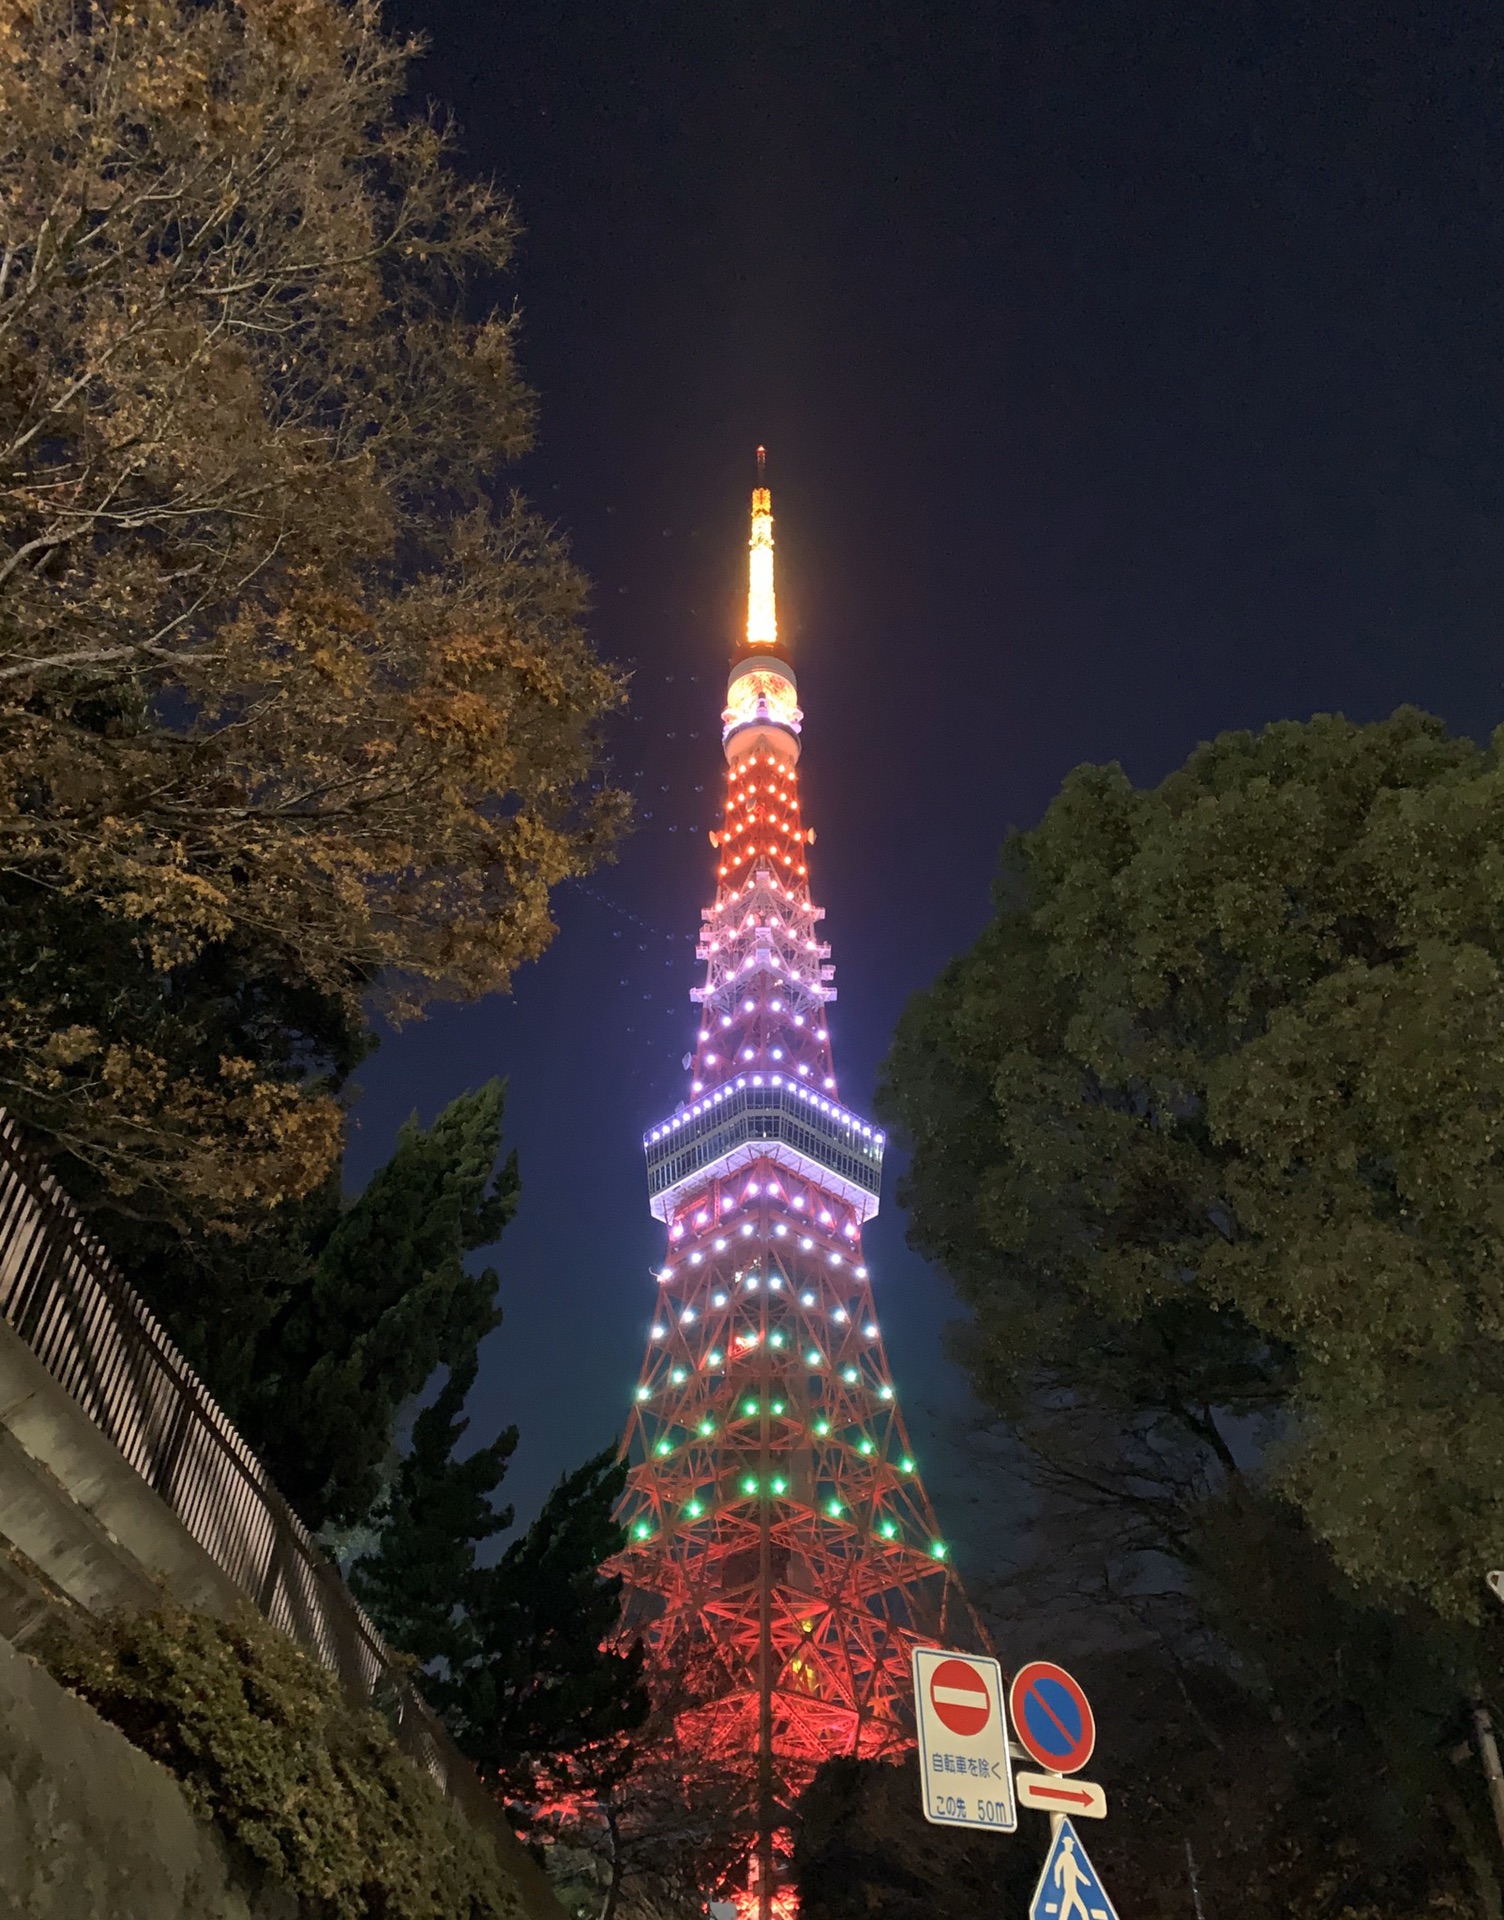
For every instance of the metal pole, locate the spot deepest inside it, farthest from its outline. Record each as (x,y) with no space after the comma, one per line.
(765,1641)
(1057,1820)
(1488,1753)
(1190,1867)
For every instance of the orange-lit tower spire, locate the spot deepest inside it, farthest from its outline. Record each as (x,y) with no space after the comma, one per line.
(762,608)
(782,1557)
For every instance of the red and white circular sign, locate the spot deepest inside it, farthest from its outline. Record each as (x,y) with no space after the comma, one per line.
(959,1695)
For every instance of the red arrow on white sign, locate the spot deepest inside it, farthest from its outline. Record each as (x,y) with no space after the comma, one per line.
(1053,1793)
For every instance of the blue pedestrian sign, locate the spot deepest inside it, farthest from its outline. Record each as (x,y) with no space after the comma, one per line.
(1068,1887)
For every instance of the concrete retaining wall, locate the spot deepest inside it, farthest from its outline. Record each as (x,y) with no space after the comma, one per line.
(82,1533)
(90,1829)
(77,1513)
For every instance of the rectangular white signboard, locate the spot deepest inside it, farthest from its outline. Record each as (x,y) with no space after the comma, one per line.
(1053,1793)
(965,1778)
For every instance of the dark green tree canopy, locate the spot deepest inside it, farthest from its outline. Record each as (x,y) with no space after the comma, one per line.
(439,1511)
(539,1685)
(519,1653)
(390,1298)
(1210,1117)
(315,1331)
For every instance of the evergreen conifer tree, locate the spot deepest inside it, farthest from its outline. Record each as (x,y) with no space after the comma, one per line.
(519,1656)
(388,1301)
(314,1333)
(439,1512)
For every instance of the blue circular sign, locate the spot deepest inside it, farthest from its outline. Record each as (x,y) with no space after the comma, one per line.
(1051,1717)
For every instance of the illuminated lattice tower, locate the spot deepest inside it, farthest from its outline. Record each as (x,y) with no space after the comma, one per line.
(783,1556)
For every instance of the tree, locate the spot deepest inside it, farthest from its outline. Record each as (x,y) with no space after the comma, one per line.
(1204,1127)
(1210,1113)
(439,1510)
(1306,1743)
(388,1300)
(647,1822)
(317,1330)
(543,1676)
(294,705)
(520,1654)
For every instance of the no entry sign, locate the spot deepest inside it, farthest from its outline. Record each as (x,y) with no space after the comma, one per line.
(960,1696)
(965,1777)
(1051,1717)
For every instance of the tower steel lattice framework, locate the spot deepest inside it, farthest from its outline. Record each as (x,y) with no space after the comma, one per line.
(782,1554)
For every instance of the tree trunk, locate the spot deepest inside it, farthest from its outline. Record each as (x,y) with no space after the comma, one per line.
(613,1891)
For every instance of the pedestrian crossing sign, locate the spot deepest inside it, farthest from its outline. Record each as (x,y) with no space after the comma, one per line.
(1068,1886)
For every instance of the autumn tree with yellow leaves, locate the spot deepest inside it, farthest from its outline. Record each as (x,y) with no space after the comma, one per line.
(295,706)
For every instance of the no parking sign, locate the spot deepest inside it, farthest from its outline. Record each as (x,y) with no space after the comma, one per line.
(1052,1717)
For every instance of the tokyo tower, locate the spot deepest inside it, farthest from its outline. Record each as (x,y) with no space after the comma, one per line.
(782,1554)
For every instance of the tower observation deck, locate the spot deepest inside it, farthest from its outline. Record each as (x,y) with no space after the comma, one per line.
(782,1555)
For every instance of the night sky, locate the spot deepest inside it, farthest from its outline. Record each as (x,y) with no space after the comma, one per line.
(1128,373)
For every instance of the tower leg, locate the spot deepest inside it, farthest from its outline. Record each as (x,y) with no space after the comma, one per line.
(765,1795)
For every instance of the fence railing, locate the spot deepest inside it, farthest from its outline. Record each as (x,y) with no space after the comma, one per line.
(93,1333)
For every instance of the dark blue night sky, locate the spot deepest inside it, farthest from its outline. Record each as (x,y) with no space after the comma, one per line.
(1128,373)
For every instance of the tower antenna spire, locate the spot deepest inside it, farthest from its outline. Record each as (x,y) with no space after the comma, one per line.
(762,612)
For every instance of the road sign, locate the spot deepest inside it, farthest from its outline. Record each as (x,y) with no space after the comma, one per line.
(1052,1717)
(1068,1886)
(960,1696)
(1052,1794)
(964,1776)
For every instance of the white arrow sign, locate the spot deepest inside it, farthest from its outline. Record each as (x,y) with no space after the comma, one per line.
(1053,1793)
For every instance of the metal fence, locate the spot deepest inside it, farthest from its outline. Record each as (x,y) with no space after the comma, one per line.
(92,1332)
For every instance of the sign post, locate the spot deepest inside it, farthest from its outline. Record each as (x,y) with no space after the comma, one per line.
(965,1776)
